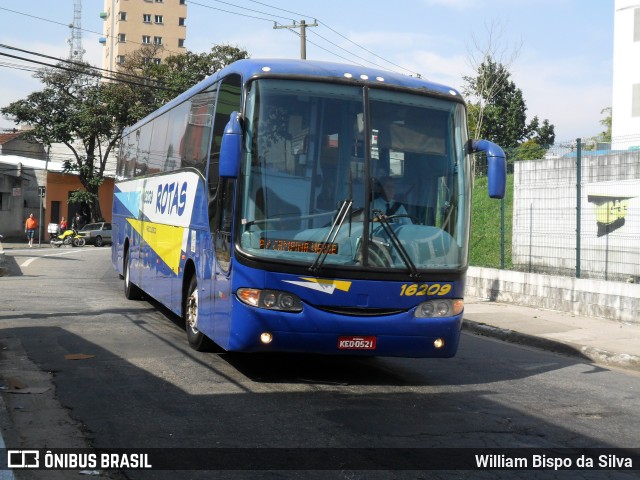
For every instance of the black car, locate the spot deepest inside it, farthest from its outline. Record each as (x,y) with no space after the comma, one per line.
(97,234)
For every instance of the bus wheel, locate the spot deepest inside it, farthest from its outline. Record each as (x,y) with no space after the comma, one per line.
(197,340)
(131,291)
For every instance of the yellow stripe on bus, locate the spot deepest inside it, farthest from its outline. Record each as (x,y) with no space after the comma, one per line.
(164,240)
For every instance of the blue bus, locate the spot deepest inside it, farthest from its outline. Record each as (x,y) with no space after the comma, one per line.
(302,206)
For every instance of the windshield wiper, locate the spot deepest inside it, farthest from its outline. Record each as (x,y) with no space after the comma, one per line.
(345,208)
(404,255)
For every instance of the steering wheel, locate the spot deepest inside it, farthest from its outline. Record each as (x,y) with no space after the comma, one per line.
(379,255)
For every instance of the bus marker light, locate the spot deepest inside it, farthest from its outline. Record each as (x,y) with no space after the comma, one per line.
(250,296)
(266,337)
(438,343)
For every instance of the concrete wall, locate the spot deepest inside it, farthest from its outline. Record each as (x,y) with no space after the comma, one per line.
(586,297)
(545,222)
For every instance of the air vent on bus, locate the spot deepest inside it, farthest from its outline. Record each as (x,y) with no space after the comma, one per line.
(360,311)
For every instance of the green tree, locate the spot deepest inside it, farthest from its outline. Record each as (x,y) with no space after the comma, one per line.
(497,110)
(530,150)
(79,111)
(87,115)
(606,122)
(544,135)
(178,73)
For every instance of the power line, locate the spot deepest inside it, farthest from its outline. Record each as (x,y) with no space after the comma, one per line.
(89,73)
(79,64)
(340,35)
(234,13)
(303,34)
(296,25)
(262,18)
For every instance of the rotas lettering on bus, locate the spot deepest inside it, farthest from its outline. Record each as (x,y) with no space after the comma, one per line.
(171,198)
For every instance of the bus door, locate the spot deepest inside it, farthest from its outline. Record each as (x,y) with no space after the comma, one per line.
(221,201)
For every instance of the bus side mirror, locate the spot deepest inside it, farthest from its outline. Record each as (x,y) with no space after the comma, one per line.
(496,166)
(231,147)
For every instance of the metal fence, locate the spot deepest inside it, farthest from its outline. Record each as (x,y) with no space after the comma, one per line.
(575,212)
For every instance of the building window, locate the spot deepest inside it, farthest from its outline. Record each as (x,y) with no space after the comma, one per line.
(157,40)
(181,21)
(123,16)
(146,39)
(183,2)
(5,201)
(181,42)
(635,101)
(121,59)
(122,37)
(159,19)
(156,61)
(636,25)
(159,1)
(146,17)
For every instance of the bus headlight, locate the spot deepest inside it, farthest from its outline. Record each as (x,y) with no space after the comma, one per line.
(270,299)
(440,308)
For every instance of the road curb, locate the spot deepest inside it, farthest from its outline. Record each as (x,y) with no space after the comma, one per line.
(4,271)
(593,354)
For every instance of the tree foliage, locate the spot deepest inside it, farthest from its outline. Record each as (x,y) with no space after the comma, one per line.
(87,115)
(605,136)
(79,111)
(497,110)
(178,73)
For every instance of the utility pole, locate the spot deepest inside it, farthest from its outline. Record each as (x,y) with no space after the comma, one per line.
(303,34)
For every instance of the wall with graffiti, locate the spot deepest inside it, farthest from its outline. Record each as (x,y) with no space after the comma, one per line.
(598,235)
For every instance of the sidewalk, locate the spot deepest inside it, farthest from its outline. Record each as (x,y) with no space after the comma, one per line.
(602,341)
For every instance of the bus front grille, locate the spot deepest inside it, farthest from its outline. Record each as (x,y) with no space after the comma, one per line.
(360,311)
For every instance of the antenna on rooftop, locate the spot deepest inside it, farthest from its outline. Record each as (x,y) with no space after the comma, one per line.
(75,41)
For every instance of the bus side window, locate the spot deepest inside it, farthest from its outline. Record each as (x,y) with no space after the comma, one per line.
(221,190)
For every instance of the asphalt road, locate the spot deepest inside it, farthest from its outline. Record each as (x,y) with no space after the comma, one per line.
(137,384)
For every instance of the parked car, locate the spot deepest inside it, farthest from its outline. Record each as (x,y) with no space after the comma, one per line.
(97,234)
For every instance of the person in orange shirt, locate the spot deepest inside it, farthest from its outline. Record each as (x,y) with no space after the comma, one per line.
(30,228)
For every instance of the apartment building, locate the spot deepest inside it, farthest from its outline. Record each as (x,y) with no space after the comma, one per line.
(626,74)
(131,24)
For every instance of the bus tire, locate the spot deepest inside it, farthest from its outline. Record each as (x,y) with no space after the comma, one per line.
(131,291)
(197,340)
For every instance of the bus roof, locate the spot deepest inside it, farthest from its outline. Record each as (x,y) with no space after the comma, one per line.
(310,69)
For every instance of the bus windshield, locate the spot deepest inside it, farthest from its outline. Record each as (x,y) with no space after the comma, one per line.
(345,177)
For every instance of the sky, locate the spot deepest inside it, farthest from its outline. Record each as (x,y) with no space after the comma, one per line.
(559,52)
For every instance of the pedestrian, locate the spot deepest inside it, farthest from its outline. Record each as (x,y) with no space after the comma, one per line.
(63,225)
(78,222)
(30,228)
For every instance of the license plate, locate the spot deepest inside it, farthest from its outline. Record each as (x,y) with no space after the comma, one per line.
(356,343)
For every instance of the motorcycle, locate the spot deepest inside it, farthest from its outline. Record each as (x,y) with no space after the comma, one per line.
(69,237)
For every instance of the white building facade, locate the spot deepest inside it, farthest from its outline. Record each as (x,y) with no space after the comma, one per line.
(626,71)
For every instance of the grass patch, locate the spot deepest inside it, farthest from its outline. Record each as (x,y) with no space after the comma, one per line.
(485,248)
